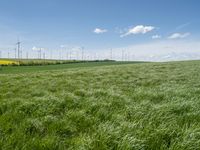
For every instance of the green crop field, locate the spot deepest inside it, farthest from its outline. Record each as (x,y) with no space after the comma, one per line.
(141,106)
(36,68)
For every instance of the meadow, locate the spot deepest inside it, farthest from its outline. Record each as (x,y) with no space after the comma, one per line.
(135,106)
(34,68)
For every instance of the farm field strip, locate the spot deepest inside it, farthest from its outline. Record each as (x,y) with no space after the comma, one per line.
(7,62)
(23,69)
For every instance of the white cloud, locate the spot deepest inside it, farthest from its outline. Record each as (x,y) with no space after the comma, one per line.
(178,35)
(98,30)
(139,29)
(156,37)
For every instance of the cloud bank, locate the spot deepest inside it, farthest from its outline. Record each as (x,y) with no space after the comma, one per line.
(165,50)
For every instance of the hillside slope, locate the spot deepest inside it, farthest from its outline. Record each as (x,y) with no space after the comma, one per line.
(133,106)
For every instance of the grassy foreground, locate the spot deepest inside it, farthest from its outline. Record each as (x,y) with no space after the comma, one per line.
(132,106)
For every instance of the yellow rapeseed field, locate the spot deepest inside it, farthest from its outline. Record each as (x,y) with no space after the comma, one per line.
(7,62)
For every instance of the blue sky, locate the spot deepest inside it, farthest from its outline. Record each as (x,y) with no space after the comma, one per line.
(100,25)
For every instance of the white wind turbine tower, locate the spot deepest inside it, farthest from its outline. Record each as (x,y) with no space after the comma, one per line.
(39,50)
(74,53)
(1,52)
(82,53)
(18,49)
(15,53)
(64,47)
(111,54)
(8,54)
(122,55)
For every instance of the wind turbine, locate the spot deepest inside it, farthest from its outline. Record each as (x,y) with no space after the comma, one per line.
(39,50)
(18,48)
(8,55)
(15,53)
(82,53)
(122,55)
(111,54)
(26,55)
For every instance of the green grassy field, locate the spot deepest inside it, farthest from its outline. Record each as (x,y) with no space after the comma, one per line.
(36,68)
(145,106)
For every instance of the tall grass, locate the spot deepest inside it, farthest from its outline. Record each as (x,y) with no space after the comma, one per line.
(134,106)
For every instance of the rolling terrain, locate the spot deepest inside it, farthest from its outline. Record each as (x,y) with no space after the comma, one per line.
(127,106)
